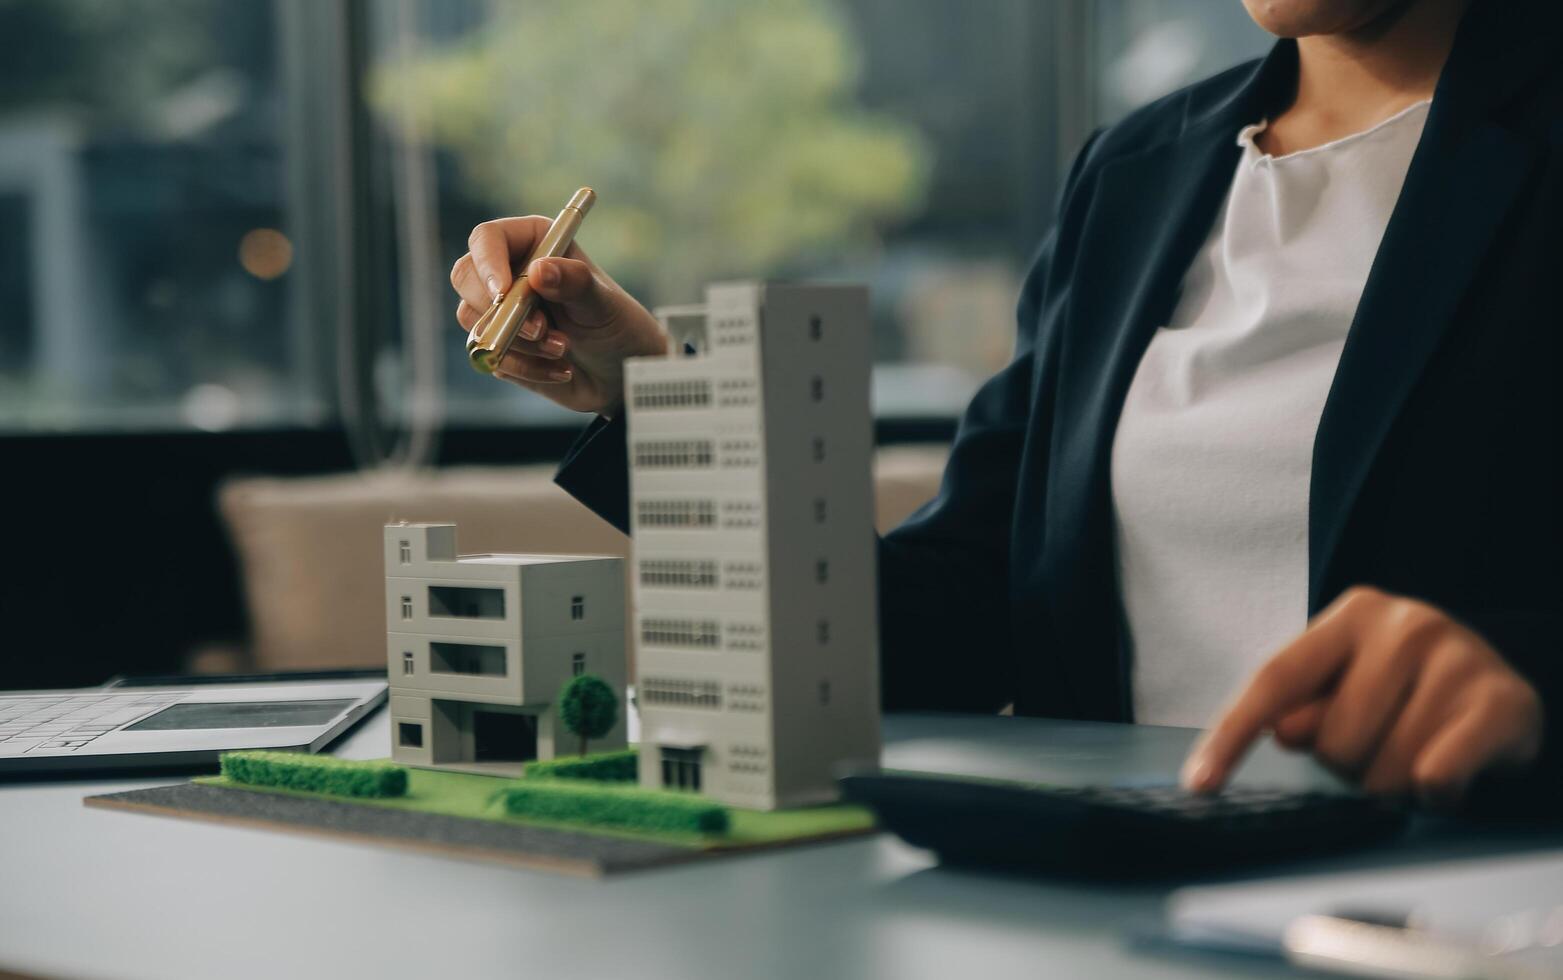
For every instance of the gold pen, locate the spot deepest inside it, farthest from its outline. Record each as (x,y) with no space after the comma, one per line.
(497,328)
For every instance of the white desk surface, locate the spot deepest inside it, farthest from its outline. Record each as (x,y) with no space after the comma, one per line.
(90,893)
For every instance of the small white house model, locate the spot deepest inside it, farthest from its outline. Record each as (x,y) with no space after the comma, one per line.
(750,451)
(478,647)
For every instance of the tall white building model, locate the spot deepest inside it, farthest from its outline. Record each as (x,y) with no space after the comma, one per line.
(478,647)
(750,451)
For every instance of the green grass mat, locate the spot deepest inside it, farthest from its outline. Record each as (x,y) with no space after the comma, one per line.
(459,794)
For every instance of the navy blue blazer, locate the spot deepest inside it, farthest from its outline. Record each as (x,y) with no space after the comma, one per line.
(1436,469)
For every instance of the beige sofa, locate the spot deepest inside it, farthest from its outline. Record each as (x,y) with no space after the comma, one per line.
(310,548)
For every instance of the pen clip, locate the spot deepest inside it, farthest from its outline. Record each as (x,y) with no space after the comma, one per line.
(475,335)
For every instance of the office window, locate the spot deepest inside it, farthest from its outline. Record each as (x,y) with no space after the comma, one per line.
(577,664)
(477,659)
(577,607)
(939,120)
(406,552)
(822,631)
(407,663)
(824,694)
(816,327)
(819,510)
(461,602)
(819,449)
(406,607)
(948,127)
(409,735)
(822,571)
(1145,49)
(817,388)
(121,121)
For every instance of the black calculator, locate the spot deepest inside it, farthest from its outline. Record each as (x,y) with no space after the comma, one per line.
(1114,832)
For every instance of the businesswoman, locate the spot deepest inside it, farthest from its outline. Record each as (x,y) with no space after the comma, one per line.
(1279,447)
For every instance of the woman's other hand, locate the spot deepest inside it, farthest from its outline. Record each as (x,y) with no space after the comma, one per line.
(572,348)
(1390,693)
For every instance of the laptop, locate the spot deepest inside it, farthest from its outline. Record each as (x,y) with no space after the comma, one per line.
(169,726)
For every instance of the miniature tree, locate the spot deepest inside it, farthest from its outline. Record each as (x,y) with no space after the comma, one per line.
(588,706)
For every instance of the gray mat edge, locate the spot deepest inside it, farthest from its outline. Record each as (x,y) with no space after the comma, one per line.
(532,847)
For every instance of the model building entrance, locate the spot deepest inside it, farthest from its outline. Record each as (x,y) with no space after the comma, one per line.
(494,738)
(499,736)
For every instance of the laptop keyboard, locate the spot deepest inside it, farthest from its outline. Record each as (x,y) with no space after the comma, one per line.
(67,722)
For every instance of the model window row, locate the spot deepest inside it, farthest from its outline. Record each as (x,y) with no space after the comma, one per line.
(696,393)
(661,454)
(690,393)
(695,454)
(699,634)
(675,513)
(463,602)
(700,454)
(676,693)
(679,574)
(473,659)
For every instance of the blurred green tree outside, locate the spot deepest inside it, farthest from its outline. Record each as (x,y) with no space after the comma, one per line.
(723,137)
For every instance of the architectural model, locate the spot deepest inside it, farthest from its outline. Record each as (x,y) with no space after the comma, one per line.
(752,509)
(478,647)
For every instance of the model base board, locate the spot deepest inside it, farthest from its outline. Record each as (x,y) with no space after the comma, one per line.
(452,813)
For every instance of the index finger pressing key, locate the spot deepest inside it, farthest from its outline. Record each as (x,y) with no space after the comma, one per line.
(1298,674)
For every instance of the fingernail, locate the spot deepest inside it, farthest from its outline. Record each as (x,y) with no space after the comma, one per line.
(561,374)
(534,327)
(493,287)
(546,273)
(553,347)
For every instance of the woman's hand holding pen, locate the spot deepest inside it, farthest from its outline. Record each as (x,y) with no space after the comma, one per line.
(1389,692)
(572,348)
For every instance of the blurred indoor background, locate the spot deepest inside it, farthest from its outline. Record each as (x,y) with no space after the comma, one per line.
(226,226)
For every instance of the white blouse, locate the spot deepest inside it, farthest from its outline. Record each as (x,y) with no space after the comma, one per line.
(1214,449)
